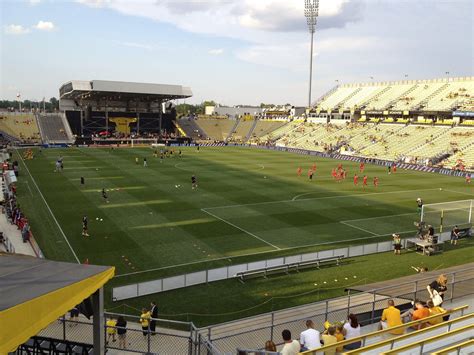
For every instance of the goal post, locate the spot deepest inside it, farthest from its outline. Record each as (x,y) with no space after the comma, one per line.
(445,215)
(143,142)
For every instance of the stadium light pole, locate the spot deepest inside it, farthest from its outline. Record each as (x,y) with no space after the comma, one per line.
(311,10)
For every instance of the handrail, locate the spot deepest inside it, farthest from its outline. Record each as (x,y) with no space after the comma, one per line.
(454,347)
(364,337)
(429,340)
(402,337)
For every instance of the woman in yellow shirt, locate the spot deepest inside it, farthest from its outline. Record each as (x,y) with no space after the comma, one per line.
(111,330)
(145,320)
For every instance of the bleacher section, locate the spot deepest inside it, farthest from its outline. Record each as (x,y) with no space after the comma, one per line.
(20,125)
(242,130)
(414,95)
(403,141)
(466,156)
(54,128)
(265,127)
(192,129)
(216,129)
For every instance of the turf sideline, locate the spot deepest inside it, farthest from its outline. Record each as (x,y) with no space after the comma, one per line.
(47,206)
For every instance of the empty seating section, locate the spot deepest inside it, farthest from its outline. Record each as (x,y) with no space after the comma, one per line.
(216,129)
(282,131)
(361,96)
(402,141)
(336,97)
(21,125)
(466,156)
(242,130)
(455,94)
(52,128)
(428,95)
(191,128)
(381,101)
(455,139)
(265,127)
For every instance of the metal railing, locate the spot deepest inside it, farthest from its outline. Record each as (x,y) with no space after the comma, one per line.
(255,331)
(169,337)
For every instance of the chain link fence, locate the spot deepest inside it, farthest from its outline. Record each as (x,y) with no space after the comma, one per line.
(368,307)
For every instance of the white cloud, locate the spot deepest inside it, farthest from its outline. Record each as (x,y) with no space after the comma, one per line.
(16,30)
(148,47)
(217,51)
(45,26)
(34,2)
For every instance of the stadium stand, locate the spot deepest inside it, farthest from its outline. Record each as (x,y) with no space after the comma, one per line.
(20,125)
(54,128)
(264,127)
(428,95)
(242,130)
(192,129)
(216,129)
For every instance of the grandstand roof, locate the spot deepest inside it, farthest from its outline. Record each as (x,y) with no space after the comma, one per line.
(121,90)
(39,291)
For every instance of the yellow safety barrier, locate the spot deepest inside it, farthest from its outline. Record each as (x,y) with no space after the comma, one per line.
(364,337)
(454,347)
(405,336)
(429,340)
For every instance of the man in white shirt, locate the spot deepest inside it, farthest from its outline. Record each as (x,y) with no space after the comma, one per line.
(291,347)
(309,339)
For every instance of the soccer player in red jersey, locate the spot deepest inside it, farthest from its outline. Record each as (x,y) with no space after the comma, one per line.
(356,179)
(364,181)
(468,179)
(394,168)
(314,166)
(361,167)
(339,167)
(333,173)
(299,171)
(376,181)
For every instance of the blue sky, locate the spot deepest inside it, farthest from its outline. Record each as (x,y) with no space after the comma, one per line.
(230,51)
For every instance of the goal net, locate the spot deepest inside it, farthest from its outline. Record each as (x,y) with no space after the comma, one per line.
(445,215)
(143,142)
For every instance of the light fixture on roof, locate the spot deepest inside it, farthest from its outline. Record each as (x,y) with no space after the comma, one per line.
(311,11)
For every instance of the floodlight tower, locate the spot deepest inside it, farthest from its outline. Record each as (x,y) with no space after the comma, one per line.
(311,10)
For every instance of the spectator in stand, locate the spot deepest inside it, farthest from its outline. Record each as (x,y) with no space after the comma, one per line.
(352,330)
(145,320)
(291,347)
(420,312)
(433,311)
(270,346)
(122,332)
(329,339)
(339,336)
(111,330)
(438,287)
(310,338)
(391,318)
(74,316)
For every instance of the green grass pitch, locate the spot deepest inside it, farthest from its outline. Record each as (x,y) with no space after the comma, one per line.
(249,205)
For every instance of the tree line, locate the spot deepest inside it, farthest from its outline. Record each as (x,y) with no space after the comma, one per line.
(28,105)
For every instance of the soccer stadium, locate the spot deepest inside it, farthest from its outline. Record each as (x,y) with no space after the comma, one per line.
(138,217)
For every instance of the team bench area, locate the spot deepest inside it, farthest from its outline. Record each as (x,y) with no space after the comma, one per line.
(290,266)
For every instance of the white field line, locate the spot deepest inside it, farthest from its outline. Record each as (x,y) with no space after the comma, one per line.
(366,219)
(239,228)
(459,192)
(361,229)
(361,194)
(316,198)
(261,166)
(49,209)
(257,253)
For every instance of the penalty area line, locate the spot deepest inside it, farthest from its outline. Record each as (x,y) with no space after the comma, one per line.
(241,229)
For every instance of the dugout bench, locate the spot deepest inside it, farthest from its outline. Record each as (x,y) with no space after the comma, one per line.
(336,260)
